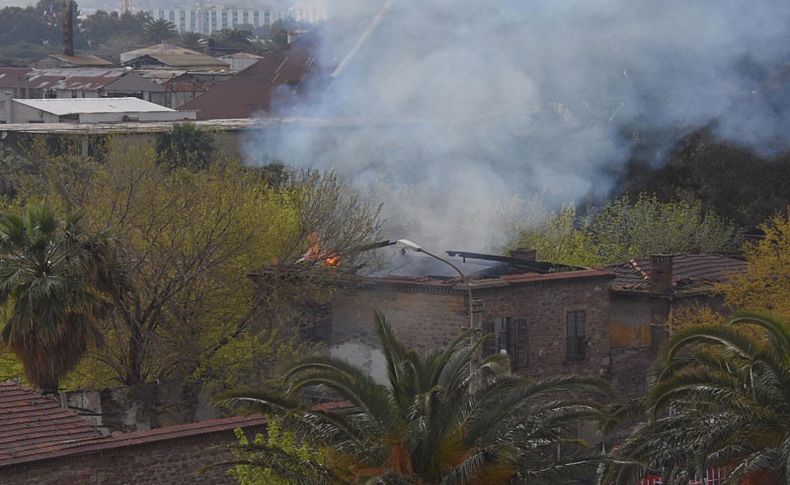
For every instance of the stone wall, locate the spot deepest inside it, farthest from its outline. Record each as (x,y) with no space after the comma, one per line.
(428,318)
(175,462)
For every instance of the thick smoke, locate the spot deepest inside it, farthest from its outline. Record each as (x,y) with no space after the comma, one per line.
(452,108)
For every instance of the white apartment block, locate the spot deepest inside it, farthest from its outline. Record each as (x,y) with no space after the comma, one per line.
(209,19)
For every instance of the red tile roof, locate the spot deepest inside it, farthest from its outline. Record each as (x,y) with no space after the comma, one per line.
(691,273)
(34,427)
(249,93)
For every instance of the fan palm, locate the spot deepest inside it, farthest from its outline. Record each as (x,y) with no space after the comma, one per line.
(185,146)
(445,417)
(723,394)
(54,283)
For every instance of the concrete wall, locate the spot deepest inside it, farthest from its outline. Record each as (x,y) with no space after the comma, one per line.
(20,113)
(141,117)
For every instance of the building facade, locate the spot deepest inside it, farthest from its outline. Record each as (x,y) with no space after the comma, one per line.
(213,18)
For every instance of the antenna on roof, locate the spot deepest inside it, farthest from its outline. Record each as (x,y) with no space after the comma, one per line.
(363,38)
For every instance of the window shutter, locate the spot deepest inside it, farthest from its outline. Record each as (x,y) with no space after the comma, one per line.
(520,343)
(488,331)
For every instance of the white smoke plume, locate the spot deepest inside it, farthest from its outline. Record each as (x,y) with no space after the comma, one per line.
(456,106)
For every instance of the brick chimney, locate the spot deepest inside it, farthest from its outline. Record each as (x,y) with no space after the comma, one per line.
(67,24)
(525,254)
(661,273)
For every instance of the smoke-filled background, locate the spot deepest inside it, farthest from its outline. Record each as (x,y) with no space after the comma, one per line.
(452,108)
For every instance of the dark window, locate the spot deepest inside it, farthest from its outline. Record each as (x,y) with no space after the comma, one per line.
(503,335)
(315,322)
(508,335)
(575,341)
(520,355)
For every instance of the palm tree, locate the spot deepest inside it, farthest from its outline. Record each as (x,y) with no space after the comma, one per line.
(185,146)
(192,40)
(159,30)
(444,418)
(55,280)
(723,397)
(227,40)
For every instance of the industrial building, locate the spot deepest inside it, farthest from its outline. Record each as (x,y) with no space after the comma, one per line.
(88,110)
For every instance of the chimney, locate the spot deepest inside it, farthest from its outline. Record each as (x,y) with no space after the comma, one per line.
(661,273)
(67,25)
(524,254)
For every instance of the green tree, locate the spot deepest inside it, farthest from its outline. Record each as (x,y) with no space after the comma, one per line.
(55,282)
(232,40)
(192,40)
(159,30)
(722,398)
(626,229)
(292,465)
(444,417)
(185,146)
(736,182)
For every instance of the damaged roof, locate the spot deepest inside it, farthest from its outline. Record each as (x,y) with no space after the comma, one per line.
(691,273)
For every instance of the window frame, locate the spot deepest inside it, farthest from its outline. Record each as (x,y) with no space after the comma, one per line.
(576,344)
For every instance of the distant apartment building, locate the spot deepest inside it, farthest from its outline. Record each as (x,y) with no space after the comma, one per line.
(209,19)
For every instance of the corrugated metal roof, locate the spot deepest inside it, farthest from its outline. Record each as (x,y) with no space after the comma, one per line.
(163,48)
(69,106)
(10,77)
(249,93)
(691,273)
(188,60)
(81,60)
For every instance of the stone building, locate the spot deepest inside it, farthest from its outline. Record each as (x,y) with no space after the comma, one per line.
(644,295)
(550,319)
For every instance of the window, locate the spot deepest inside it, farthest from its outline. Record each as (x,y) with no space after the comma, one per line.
(575,341)
(510,335)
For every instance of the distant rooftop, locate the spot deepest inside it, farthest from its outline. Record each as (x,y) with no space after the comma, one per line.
(68,106)
(81,60)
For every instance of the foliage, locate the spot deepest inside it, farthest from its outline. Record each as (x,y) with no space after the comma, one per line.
(159,30)
(101,26)
(231,40)
(766,284)
(444,418)
(733,181)
(55,280)
(277,440)
(192,40)
(626,229)
(185,146)
(722,398)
